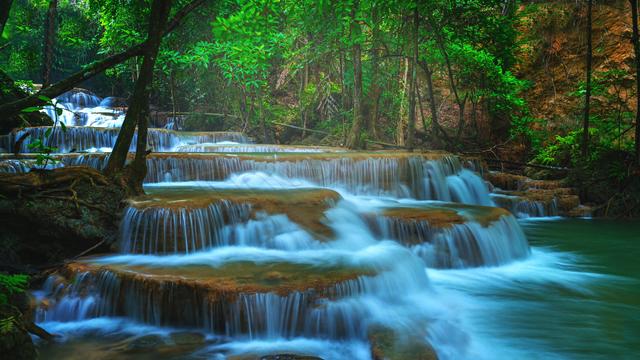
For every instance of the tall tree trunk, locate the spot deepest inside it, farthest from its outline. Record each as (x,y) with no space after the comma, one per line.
(5,9)
(355,138)
(138,112)
(49,42)
(376,90)
(587,97)
(402,119)
(11,109)
(433,106)
(343,96)
(461,101)
(411,130)
(636,48)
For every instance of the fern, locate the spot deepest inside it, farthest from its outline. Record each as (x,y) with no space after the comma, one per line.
(12,284)
(7,324)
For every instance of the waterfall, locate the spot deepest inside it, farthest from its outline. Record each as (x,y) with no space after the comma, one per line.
(469,244)
(83,138)
(270,243)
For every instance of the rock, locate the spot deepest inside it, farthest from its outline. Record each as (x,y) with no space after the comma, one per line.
(188,338)
(505,181)
(387,345)
(273,357)
(146,343)
(15,341)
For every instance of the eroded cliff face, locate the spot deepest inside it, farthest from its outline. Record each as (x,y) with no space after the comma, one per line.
(553,59)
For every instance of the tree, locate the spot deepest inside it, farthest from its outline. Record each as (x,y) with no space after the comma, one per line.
(413,79)
(636,48)
(5,9)
(49,41)
(587,96)
(355,137)
(138,112)
(12,109)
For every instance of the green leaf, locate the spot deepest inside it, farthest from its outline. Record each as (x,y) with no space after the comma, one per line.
(31,109)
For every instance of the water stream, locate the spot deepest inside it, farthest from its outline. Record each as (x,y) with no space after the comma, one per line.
(318,252)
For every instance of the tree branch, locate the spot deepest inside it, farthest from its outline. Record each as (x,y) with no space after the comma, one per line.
(11,109)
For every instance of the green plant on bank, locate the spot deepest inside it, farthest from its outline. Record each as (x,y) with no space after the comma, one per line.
(40,146)
(610,123)
(11,285)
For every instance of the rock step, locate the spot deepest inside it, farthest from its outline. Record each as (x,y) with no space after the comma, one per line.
(186,219)
(531,197)
(452,235)
(243,298)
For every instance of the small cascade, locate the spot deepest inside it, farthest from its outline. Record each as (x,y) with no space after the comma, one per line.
(525,208)
(253,148)
(273,300)
(85,138)
(462,245)
(187,222)
(426,176)
(451,236)
(162,230)
(526,197)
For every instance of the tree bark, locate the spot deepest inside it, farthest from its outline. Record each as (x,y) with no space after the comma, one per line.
(355,138)
(411,128)
(587,97)
(402,121)
(138,112)
(5,9)
(433,106)
(376,89)
(636,48)
(12,109)
(49,42)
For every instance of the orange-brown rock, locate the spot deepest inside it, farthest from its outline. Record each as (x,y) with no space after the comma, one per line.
(387,345)
(305,207)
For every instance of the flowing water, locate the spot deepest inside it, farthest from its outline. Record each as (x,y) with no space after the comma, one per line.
(238,253)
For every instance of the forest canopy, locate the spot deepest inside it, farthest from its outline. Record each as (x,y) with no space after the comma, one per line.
(457,75)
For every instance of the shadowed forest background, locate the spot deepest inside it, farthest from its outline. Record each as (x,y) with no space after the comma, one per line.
(467,75)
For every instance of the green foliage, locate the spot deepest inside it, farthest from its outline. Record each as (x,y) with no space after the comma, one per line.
(8,324)
(12,284)
(609,123)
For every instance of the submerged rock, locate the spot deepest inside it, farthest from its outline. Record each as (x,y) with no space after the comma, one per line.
(387,345)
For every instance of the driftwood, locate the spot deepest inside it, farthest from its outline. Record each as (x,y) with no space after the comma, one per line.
(182,113)
(328,133)
(520,164)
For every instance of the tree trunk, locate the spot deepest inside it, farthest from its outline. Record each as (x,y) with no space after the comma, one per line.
(411,130)
(433,105)
(10,110)
(376,89)
(138,112)
(5,9)
(636,48)
(343,96)
(355,138)
(49,42)
(402,121)
(587,97)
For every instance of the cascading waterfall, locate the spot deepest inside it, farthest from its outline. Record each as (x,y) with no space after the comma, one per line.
(85,138)
(224,243)
(462,245)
